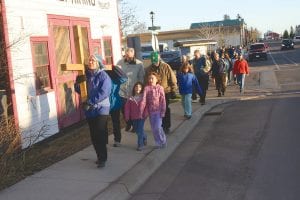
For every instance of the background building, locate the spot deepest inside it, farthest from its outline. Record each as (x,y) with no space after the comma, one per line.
(205,36)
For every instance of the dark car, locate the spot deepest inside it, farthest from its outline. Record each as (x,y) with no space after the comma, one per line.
(257,51)
(287,44)
(173,58)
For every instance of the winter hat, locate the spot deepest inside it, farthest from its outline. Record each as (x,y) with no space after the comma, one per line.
(154,57)
(100,60)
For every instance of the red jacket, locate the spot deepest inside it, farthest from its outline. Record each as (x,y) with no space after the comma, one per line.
(240,67)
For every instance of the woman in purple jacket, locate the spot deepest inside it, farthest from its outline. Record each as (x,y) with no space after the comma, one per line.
(97,106)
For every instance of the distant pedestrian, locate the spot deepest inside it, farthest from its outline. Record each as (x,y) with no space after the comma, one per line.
(219,74)
(134,113)
(240,70)
(187,81)
(134,69)
(154,103)
(230,68)
(97,105)
(167,81)
(202,67)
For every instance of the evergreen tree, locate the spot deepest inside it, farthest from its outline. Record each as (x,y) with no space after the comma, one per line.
(285,34)
(292,32)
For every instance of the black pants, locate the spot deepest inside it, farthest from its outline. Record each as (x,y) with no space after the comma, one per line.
(99,135)
(221,83)
(129,123)
(115,118)
(203,82)
(166,121)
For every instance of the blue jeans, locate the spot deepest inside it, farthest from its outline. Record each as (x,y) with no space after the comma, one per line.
(241,81)
(138,125)
(186,101)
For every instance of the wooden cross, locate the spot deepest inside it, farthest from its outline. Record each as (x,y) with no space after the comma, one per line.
(80,68)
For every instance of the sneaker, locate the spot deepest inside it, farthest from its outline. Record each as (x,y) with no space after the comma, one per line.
(139,148)
(101,164)
(117,144)
(188,116)
(163,146)
(166,130)
(128,127)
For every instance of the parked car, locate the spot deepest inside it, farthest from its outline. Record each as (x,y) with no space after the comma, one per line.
(173,58)
(287,44)
(257,51)
(147,49)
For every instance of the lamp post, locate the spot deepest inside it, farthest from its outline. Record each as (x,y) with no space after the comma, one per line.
(152,17)
(154,33)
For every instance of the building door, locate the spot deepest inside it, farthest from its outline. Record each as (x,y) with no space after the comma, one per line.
(64,42)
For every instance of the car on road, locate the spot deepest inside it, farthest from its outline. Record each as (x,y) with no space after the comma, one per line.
(287,44)
(173,58)
(257,51)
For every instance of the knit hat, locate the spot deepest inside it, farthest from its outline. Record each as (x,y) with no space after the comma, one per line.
(154,57)
(100,60)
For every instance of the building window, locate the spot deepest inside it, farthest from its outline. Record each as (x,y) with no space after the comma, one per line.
(108,50)
(41,66)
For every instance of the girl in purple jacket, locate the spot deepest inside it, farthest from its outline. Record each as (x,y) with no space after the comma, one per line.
(134,113)
(154,104)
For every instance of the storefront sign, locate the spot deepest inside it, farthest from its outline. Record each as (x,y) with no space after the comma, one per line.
(97,3)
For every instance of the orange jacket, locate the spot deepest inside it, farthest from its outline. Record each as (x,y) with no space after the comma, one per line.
(240,67)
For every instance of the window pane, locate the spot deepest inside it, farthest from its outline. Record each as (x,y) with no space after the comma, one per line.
(108,51)
(42,77)
(40,54)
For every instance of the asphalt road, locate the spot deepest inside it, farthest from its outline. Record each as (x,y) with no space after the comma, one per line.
(244,150)
(250,151)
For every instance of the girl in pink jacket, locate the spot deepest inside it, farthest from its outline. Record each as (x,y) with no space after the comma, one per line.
(134,113)
(154,104)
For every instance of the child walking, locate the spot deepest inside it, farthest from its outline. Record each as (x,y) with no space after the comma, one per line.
(154,104)
(134,113)
(186,82)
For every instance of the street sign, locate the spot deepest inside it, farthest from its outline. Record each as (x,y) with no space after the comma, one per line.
(153,28)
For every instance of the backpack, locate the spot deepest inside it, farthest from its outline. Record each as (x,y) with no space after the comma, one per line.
(118,77)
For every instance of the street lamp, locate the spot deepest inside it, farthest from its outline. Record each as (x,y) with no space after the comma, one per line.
(153,28)
(154,33)
(152,17)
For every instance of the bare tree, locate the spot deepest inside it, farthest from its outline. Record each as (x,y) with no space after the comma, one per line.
(253,34)
(129,21)
(217,33)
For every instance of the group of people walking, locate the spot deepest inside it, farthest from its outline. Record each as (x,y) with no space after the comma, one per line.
(129,88)
(140,92)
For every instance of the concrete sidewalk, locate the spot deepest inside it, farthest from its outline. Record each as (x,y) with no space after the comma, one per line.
(78,178)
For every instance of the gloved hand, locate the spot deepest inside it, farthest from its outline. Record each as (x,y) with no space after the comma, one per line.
(86,106)
(80,79)
(173,95)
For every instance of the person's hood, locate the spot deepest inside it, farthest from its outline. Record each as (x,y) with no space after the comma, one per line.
(100,61)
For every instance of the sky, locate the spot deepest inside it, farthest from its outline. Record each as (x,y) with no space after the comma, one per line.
(265,15)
